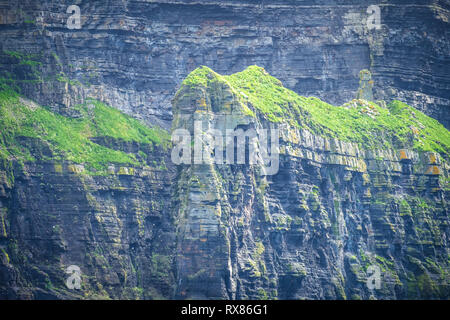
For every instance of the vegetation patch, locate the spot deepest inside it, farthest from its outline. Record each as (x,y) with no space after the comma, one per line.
(395,126)
(64,138)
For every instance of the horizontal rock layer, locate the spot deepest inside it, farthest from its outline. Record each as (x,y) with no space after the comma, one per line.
(133,54)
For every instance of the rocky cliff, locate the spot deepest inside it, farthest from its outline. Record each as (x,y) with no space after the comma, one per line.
(92,191)
(335,207)
(134,54)
(359,186)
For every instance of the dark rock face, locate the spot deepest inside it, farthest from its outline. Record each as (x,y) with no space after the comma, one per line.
(316,228)
(116,228)
(133,54)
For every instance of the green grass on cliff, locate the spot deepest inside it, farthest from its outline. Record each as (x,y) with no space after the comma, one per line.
(69,138)
(364,122)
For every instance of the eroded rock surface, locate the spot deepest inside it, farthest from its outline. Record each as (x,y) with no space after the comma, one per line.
(312,230)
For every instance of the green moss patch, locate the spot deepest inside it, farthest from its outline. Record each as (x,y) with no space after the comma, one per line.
(25,129)
(364,122)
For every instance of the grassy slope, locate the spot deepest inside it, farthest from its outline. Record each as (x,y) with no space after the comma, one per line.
(397,126)
(68,138)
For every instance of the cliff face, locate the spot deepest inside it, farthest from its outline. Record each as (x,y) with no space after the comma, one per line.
(312,230)
(358,187)
(139,224)
(92,191)
(115,228)
(133,54)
